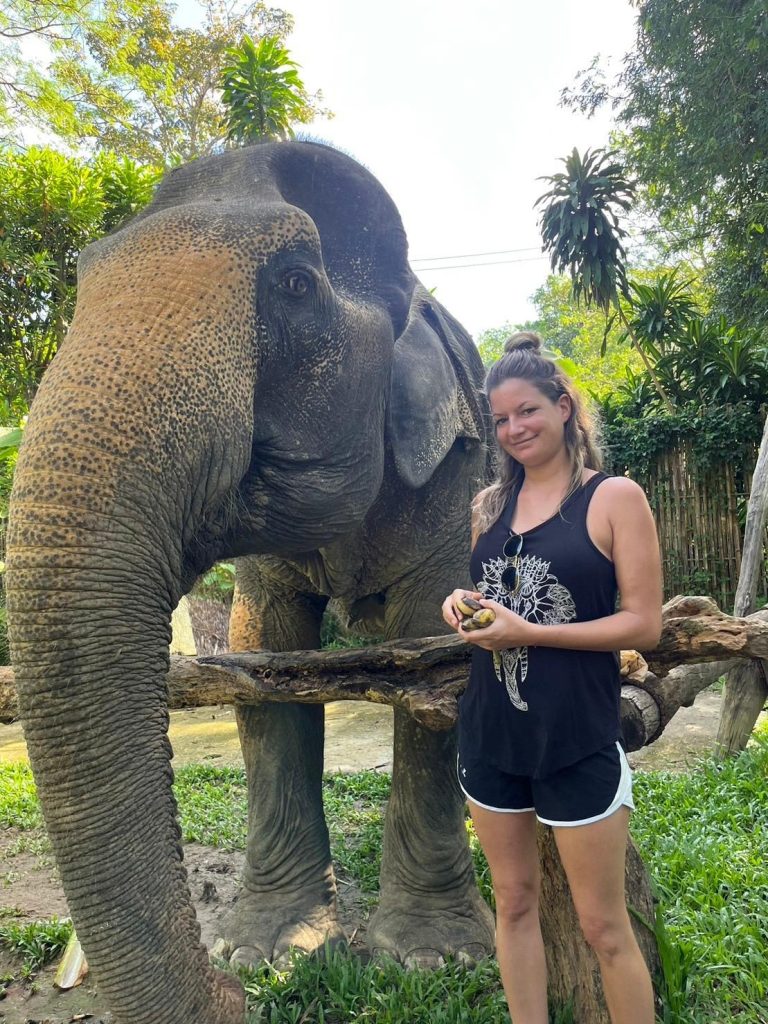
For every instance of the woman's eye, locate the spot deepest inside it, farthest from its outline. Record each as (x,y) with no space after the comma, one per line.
(527,412)
(296,282)
(499,423)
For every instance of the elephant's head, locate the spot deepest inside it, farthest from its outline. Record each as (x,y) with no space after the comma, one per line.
(223,389)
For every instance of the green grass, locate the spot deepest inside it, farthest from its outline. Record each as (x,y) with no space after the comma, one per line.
(704,836)
(18,800)
(342,988)
(35,943)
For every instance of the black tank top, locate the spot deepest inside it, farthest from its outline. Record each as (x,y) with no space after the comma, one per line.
(534,710)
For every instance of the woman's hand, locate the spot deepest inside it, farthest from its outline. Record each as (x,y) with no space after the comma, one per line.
(450,612)
(507,630)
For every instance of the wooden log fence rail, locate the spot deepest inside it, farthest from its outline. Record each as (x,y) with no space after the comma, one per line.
(426,676)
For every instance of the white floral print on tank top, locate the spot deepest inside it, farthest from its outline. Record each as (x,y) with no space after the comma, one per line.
(541,598)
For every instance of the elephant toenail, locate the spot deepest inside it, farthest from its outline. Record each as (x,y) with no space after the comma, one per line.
(247,956)
(471,954)
(423,959)
(383,955)
(220,949)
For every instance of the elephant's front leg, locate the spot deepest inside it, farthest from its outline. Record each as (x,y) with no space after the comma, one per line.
(288,898)
(429,905)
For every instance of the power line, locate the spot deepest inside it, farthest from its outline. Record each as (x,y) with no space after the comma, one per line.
(489,263)
(472,255)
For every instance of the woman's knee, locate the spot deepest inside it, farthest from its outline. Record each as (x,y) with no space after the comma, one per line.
(608,935)
(516,901)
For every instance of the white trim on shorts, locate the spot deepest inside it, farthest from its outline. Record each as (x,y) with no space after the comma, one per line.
(623,798)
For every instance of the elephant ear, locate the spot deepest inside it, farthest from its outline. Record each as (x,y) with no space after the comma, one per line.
(436,390)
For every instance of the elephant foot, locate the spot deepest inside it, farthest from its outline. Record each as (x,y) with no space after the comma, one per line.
(264,927)
(422,931)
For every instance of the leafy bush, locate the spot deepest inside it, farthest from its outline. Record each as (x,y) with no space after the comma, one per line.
(633,438)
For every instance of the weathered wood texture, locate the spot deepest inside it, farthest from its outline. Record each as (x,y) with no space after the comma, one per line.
(426,676)
(746,688)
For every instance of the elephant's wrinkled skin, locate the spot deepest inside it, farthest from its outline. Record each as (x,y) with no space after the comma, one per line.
(252,369)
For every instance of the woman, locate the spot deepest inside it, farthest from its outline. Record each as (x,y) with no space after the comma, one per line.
(553,541)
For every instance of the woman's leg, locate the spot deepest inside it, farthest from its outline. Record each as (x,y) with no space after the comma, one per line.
(593,858)
(509,844)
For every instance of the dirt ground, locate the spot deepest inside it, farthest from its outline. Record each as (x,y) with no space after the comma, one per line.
(358,736)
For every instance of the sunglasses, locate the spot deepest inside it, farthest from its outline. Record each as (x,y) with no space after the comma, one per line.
(511,579)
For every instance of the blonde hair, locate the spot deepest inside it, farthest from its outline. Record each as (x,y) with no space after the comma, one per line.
(523,359)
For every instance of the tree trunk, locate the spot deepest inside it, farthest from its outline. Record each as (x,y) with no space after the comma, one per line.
(572,967)
(745,688)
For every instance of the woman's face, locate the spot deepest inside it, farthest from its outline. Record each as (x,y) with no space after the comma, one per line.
(529,426)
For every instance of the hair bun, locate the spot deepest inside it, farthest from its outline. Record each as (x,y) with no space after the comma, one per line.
(523,341)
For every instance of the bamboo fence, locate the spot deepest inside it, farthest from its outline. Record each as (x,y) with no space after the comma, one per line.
(698,514)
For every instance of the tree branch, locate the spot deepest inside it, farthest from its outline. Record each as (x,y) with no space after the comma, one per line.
(426,676)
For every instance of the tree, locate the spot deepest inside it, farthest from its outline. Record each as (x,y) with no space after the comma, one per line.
(51,206)
(573,331)
(126,79)
(262,92)
(580,228)
(691,102)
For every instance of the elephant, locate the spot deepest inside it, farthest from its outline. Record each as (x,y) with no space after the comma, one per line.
(252,371)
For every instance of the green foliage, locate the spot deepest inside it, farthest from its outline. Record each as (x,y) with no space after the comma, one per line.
(575,332)
(633,437)
(19,807)
(125,78)
(691,101)
(710,866)
(37,942)
(218,584)
(335,636)
(51,206)
(262,92)
(672,980)
(212,805)
(659,312)
(339,988)
(10,439)
(580,225)
(354,806)
(490,343)
(694,358)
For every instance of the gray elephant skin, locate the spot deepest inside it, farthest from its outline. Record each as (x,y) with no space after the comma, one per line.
(252,370)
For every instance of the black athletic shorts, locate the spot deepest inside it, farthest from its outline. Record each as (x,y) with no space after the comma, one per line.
(580,794)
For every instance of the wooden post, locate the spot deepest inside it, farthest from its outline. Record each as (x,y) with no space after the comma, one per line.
(746,689)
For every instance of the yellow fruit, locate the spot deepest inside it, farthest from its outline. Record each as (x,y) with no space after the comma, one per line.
(468,605)
(484,617)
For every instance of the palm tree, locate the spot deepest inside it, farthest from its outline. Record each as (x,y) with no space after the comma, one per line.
(580,228)
(262,92)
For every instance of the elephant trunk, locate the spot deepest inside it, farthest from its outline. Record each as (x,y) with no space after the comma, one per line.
(101,510)
(90,646)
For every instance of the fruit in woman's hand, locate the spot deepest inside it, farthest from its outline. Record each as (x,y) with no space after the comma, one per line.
(468,605)
(474,615)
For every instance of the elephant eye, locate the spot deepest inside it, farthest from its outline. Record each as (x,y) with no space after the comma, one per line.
(296,282)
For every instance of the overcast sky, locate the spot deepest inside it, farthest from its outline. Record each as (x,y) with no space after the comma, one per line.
(454,106)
